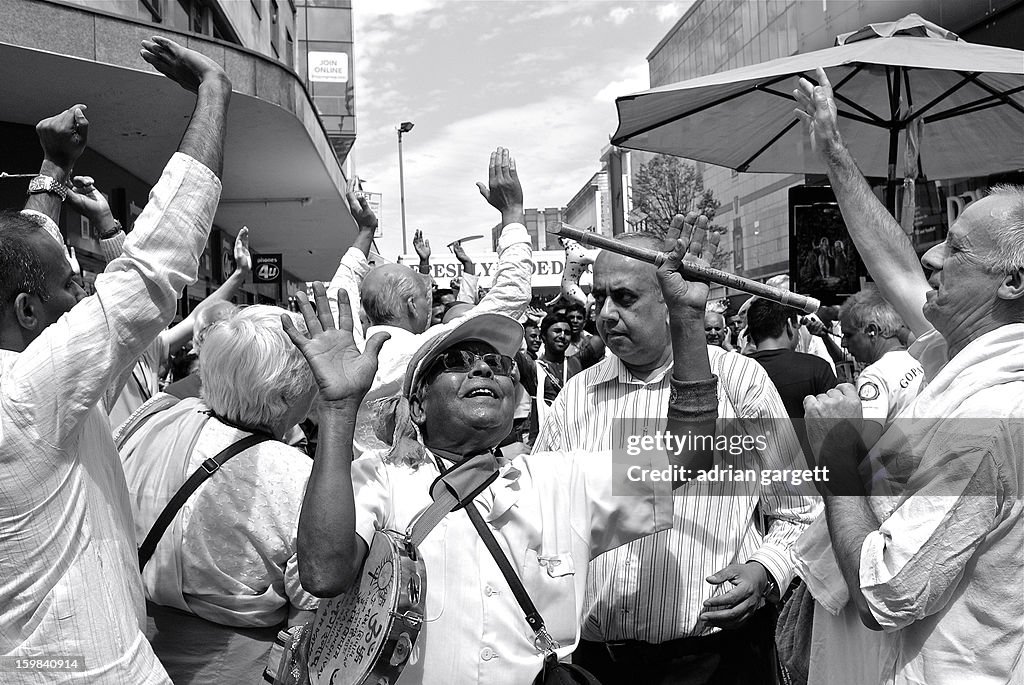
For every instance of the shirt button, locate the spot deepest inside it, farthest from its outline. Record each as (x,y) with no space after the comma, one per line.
(488,591)
(487,654)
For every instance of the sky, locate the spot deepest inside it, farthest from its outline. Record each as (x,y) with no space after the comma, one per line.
(538,77)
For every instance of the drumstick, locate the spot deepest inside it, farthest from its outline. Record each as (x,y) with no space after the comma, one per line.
(807,304)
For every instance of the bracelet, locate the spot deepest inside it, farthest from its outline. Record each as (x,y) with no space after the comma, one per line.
(107,235)
(693,400)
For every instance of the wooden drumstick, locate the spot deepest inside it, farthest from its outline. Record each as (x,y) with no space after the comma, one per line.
(807,304)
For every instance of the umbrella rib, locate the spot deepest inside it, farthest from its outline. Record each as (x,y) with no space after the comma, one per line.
(943,96)
(970,107)
(696,110)
(745,165)
(873,121)
(992,91)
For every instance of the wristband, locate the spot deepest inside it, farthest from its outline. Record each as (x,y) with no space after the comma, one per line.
(107,235)
(693,400)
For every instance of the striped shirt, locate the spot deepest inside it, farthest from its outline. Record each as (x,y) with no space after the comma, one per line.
(653,589)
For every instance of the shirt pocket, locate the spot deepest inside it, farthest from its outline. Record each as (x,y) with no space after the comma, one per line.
(550,580)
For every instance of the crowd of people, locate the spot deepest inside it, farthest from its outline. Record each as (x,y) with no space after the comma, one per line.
(156,533)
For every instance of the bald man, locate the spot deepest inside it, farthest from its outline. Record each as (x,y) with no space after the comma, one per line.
(397,300)
(715,331)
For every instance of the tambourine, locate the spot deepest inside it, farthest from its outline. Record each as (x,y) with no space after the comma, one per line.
(365,636)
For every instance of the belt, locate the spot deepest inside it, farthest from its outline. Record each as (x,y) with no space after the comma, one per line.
(630,650)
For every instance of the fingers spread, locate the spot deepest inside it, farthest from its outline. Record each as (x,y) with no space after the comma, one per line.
(308,315)
(323,306)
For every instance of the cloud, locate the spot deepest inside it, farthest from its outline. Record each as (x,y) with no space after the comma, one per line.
(637,78)
(672,11)
(620,14)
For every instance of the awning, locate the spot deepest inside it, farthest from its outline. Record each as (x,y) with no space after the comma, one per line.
(280,177)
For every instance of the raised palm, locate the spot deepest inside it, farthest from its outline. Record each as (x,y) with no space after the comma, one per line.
(342,373)
(693,243)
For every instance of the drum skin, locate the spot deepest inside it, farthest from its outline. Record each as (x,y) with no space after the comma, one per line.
(366,636)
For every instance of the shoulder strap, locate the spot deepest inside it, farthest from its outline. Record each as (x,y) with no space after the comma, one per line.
(147,410)
(198,477)
(533,617)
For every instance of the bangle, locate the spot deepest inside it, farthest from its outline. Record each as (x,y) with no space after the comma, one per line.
(107,235)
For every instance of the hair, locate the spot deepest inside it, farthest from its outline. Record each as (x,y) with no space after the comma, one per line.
(767,319)
(869,307)
(531,323)
(781,281)
(21,269)
(646,238)
(576,307)
(385,304)
(251,372)
(550,320)
(438,294)
(1009,235)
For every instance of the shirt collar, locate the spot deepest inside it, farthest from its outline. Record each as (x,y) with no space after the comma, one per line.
(472,474)
(612,369)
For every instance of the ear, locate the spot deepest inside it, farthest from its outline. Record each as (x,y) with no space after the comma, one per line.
(26,309)
(1012,287)
(416,411)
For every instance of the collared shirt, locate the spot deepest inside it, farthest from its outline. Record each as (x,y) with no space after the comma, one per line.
(141,383)
(550,513)
(653,589)
(69,578)
(509,296)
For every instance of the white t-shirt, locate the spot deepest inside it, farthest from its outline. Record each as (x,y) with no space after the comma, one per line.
(889,385)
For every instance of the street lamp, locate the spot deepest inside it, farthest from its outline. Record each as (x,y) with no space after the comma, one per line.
(404,127)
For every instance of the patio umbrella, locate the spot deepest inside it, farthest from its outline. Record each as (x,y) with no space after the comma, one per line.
(966,100)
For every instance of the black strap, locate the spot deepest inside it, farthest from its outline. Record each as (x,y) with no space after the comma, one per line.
(533,616)
(205,470)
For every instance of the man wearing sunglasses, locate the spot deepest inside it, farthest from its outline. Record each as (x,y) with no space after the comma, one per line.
(550,512)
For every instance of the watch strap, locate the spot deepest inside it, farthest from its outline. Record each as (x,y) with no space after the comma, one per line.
(47,184)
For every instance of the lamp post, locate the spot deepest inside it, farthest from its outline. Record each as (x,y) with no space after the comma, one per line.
(404,127)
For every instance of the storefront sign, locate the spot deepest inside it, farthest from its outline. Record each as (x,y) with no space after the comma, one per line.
(266,268)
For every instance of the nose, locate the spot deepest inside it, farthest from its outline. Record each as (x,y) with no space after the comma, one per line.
(80,293)
(607,313)
(480,368)
(932,259)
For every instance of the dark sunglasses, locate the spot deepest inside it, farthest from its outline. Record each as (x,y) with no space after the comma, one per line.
(463,360)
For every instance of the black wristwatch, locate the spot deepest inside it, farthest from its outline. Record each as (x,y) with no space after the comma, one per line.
(107,235)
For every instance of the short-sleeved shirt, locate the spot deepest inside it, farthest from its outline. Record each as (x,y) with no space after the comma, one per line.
(888,386)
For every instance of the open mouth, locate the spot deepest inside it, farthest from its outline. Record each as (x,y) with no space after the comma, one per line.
(482,392)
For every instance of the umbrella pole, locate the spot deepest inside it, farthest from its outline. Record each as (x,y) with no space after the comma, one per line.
(894,138)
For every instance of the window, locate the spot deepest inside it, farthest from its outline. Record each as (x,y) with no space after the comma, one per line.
(274,30)
(153,7)
(255,4)
(289,49)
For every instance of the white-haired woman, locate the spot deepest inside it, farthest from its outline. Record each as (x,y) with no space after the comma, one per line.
(223,578)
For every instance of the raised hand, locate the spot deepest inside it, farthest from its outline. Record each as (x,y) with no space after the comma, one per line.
(243,260)
(460,252)
(188,68)
(361,212)
(63,137)
(694,242)
(341,372)
(90,203)
(818,111)
(503,190)
(421,245)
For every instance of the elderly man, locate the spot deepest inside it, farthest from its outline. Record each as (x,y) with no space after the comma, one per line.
(69,578)
(715,330)
(397,300)
(933,556)
(551,512)
(892,377)
(656,607)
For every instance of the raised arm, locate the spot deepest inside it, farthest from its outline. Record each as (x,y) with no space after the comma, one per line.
(353,266)
(881,242)
(330,550)
(422,247)
(85,350)
(63,138)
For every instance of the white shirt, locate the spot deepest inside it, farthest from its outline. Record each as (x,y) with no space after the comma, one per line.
(888,386)
(141,383)
(653,589)
(69,579)
(551,513)
(509,296)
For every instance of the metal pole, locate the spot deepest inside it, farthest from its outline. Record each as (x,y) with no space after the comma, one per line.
(401,190)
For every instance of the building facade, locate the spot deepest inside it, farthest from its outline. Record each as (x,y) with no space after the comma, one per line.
(283,175)
(538,222)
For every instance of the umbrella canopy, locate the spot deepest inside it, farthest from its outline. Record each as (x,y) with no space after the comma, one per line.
(885,77)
